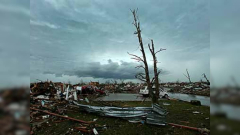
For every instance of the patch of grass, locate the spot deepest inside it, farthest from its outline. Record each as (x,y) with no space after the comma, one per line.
(179,113)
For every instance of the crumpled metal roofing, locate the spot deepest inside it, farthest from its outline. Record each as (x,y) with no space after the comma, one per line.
(155,115)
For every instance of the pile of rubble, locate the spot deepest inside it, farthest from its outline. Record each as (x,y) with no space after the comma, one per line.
(50,103)
(63,91)
(196,88)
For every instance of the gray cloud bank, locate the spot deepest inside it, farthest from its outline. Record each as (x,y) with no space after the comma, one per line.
(111,70)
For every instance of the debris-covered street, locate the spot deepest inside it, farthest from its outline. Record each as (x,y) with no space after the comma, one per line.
(57,109)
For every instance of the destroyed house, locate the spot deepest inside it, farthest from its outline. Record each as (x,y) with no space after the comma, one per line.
(94,83)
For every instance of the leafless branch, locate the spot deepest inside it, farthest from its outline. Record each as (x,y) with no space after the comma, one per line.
(186,76)
(160,50)
(153,79)
(141,77)
(140,66)
(135,57)
(150,48)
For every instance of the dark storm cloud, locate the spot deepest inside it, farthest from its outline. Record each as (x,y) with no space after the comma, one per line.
(111,70)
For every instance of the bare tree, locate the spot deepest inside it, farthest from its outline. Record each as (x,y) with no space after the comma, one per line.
(156,71)
(141,76)
(188,76)
(204,75)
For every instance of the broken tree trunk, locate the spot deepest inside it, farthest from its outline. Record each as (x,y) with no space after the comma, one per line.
(188,76)
(156,72)
(204,75)
(143,77)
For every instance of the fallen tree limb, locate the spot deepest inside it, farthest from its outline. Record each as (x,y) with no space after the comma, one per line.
(54,114)
(201,130)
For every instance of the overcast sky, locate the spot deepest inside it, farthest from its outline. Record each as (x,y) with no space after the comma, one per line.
(89,39)
(72,40)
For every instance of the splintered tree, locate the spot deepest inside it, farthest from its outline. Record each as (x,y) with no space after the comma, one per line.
(188,76)
(204,75)
(156,71)
(141,76)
